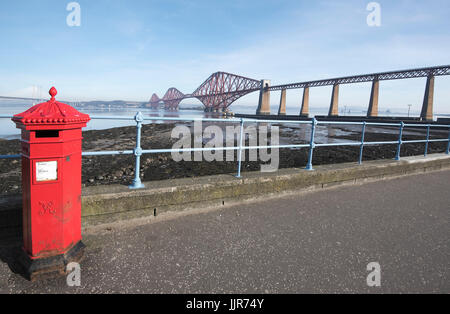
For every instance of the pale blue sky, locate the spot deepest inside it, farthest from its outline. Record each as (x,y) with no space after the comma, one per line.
(130,49)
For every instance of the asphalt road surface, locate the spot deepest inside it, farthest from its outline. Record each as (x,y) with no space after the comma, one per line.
(319,242)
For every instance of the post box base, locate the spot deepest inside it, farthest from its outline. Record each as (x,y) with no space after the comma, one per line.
(49,267)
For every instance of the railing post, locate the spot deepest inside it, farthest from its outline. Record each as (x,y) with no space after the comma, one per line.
(362,142)
(137,184)
(240,148)
(428,141)
(448,145)
(312,145)
(400,141)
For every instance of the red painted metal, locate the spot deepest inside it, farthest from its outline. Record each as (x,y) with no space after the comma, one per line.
(221,89)
(172,98)
(51,177)
(154,101)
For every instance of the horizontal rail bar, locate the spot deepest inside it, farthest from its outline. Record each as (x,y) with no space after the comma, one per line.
(426,125)
(188,150)
(338,144)
(338,122)
(438,140)
(112,152)
(112,118)
(381,143)
(162,151)
(276,146)
(180,150)
(278,121)
(10,156)
(424,141)
(414,141)
(383,124)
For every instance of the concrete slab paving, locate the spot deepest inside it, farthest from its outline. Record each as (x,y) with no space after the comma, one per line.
(318,242)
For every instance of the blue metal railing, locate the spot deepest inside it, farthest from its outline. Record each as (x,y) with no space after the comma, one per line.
(139,118)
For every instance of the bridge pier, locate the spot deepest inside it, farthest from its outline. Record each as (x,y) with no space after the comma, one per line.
(282,109)
(304,112)
(334,110)
(264,98)
(427,108)
(373,104)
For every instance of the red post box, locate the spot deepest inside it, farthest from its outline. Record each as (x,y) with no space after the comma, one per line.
(51,186)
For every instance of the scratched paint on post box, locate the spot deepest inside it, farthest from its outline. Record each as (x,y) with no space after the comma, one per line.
(46,171)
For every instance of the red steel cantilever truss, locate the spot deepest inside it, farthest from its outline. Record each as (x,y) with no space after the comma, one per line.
(172,98)
(221,89)
(154,101)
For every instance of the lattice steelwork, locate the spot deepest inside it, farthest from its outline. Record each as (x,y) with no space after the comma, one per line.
(173,97)
(394,75)
(221,89)
(154,101)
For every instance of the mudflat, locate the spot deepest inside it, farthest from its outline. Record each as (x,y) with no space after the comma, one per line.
(119,169)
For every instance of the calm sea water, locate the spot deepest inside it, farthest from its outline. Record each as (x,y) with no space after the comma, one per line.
(8,129)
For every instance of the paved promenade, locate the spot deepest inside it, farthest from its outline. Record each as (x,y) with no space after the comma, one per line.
(319,242)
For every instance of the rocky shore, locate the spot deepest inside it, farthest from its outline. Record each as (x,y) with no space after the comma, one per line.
(119,169)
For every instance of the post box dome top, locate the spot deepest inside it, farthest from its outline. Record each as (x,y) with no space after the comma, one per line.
(50,113)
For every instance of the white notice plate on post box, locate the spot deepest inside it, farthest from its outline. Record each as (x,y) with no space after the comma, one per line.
(46,171)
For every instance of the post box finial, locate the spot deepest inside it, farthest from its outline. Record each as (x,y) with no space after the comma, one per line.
(53,92)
